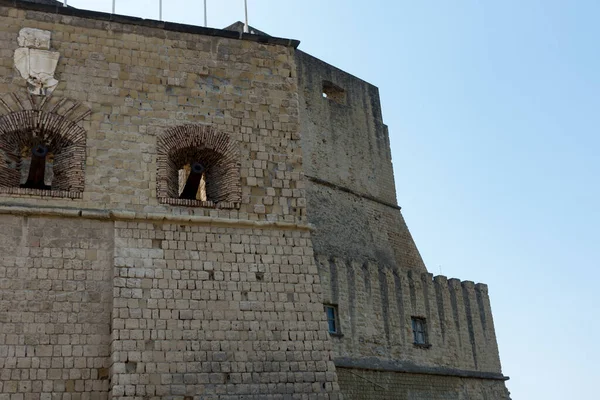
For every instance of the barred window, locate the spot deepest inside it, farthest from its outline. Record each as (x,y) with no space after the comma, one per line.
(419,327)
(332,319)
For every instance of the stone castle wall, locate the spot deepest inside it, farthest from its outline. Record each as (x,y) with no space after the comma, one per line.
(119,290)
(376,304)
(375,352)
(97,309)
(139,81)
(369,265)
(358,384)
(217,302)
(207,312)
(350,182)
(55,306)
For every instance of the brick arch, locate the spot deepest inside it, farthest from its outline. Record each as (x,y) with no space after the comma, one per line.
(20,130)
(218,153)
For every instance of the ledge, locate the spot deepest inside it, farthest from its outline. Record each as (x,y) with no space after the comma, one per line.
(17,191)
(424,346)
(126,215)
(375,364)
(348,190)
(199,203)
(149,23)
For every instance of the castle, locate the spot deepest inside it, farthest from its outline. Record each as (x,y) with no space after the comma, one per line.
(194,213)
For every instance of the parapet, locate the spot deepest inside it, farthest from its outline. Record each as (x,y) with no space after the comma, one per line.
(377,304)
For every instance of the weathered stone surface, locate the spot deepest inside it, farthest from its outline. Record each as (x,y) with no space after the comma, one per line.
(376,303)
(42,64)
(113,293)
(217,311)
(34,38)
(348,163)
(21,59)
(35,62)
(359,384)
(55,306)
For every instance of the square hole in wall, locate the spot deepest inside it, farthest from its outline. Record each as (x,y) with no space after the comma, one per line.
(334,93)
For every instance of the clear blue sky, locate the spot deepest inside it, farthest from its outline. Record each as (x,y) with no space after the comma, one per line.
(493,109)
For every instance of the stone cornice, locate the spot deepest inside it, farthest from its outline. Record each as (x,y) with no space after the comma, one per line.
(374,364)
(160,217)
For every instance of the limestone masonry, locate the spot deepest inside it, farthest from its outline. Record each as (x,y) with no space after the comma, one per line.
(193,213)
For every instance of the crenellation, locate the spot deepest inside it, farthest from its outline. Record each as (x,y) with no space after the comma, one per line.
(442,296)
(378,325)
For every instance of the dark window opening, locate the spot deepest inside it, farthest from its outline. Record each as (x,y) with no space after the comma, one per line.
(334,93)
(419,327)
(198,167)
(42,151)
(192,182)
(333,324)
(36,168)
(197,174)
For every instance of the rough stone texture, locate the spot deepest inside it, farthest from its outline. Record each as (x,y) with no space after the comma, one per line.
(345,144)
(34,38)
(139,85)
(217,313)
(55,307)
(376,304)
(368,262)
(354,227)
(360,384)
(197,310)
(350,191)
(116,291)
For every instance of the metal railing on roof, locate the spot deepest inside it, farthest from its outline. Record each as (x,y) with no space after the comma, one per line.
(160,14)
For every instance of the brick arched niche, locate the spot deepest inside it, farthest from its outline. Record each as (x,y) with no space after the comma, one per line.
(183,146)
(22,131)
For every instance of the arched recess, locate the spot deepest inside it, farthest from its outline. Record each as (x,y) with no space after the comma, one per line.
(22,130)
(182,146)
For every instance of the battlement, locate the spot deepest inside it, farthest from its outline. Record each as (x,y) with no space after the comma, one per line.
(377,302)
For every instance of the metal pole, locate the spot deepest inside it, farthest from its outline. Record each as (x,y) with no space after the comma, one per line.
(160,10)
(113,6)
(205,17)
(246,29)
(65,3)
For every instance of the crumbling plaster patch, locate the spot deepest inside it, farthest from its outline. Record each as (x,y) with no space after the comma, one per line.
(35,62)
(34,38)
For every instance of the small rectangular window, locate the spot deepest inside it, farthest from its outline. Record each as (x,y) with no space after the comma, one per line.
(332,319)
(419,327)
(334,93)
